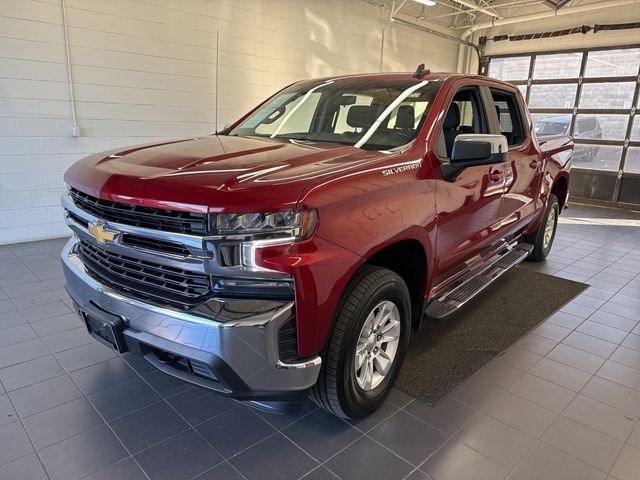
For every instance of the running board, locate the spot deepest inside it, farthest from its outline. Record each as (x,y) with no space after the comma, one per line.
(476,281)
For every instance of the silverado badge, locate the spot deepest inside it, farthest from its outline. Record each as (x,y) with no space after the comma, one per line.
(101,235)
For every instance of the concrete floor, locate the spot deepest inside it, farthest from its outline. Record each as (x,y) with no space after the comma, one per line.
(563,403)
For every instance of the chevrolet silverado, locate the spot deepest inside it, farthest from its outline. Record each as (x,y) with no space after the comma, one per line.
(294,252)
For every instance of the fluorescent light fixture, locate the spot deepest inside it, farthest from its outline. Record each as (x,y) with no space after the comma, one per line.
(556,4)
(428,3)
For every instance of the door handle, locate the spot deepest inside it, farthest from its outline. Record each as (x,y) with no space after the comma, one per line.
(534,164)
(495,176)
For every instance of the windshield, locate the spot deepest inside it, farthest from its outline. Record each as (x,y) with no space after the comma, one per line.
(374,115)
(550,128)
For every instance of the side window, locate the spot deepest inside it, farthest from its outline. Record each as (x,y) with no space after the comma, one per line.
(464,115)
(506,124)
(467,111)
(509,115)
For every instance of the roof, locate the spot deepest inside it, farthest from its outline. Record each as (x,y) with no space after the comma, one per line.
(407,76)
(387,76)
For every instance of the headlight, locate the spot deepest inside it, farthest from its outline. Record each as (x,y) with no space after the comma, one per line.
(241,235)
(296,225)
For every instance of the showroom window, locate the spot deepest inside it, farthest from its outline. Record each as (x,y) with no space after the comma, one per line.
(592,95)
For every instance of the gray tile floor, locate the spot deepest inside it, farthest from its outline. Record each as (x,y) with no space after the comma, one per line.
(563,403)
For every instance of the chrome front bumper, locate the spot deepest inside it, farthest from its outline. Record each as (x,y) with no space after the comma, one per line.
(240,345)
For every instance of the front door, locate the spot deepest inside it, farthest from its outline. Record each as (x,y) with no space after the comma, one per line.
(468,207)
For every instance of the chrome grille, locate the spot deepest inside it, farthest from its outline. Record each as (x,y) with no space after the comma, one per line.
(153,218)
(163,284)
(137,241)
(153,244)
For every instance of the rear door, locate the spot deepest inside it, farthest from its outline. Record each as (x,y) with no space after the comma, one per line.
(523,170)
(469,207)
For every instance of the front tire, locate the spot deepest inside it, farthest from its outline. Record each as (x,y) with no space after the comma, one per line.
(542,238)
(367,344)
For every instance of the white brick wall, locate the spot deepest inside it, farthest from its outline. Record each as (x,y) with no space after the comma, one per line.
(145,69)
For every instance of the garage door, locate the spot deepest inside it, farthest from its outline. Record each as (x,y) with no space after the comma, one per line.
(592,95)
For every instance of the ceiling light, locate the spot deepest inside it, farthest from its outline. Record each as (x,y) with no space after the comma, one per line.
(428,3)
(556,4)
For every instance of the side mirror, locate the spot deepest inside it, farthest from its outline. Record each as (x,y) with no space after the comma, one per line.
(475,149)
(479,149)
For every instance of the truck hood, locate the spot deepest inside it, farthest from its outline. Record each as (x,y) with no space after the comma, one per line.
(216,173)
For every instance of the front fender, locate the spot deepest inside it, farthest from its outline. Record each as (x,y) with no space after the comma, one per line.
(358,215)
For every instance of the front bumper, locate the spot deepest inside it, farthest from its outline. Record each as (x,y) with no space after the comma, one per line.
(235,354)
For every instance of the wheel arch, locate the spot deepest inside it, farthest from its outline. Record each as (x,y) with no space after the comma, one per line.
(560,189)
(407,258)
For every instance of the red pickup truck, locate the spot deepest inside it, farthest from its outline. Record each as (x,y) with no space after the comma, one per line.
(294,252)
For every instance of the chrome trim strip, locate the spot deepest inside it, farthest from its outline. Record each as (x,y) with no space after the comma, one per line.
(189,241)
(310,363)
(192,264)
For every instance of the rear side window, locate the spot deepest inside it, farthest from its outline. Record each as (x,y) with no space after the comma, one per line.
(509,115)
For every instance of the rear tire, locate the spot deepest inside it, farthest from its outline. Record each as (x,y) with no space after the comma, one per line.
(542,238)
(356,376)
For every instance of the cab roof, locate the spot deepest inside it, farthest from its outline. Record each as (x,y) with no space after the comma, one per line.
(431,77)
(389,76)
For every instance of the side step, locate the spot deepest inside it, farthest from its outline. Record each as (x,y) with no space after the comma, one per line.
(475,282)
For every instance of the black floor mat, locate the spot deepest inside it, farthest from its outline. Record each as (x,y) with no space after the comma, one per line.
(441,356)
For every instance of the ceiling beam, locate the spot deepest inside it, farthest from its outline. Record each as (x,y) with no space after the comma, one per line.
(547,14)
(477,8)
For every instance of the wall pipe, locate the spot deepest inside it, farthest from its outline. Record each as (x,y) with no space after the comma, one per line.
(438,34)
(75,129)
(217,75)
(383,28)
(382,35)
(462,49)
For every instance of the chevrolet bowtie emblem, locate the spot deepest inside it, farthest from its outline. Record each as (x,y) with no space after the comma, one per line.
(101,235)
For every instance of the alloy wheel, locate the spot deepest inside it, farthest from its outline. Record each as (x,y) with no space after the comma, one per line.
(377,345)
(549,228)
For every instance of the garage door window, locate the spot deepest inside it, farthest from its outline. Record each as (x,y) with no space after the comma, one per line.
(510,69)
(633,160)
(635,131)
(612,63)
(607,95)
(562,65)
(601,127)
(553,96)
